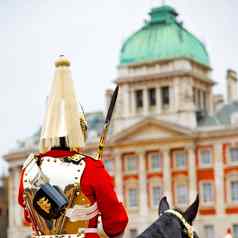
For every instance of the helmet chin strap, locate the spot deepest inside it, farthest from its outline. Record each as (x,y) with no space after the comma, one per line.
(188,227)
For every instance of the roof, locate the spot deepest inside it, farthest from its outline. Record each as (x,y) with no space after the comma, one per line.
(163,38)
(224,116)
(95,125)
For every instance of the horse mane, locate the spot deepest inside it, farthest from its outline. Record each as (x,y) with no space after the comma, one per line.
(178,210)
(167,225)
(155,229)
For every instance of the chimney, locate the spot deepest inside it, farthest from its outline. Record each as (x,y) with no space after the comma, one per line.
(231,78)
(218,102)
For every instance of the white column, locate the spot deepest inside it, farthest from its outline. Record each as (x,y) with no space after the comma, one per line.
(126,100)
(167,185)
(219,179)
(176,95)
(172,97)
(18,210)
(145,102)
(118,175)
(202,101)
(192,173)
(210,102)
(11,199)
(143,204)
(158,100)
(133,103)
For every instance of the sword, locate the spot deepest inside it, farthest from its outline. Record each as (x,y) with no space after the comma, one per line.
(106,124)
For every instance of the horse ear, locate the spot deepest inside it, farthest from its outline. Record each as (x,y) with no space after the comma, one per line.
(191,211)
(163,205)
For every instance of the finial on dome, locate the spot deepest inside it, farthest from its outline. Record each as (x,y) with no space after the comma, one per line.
(156,3)
(62,61)
(163,14)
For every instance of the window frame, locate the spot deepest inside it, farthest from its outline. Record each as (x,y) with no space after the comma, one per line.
(112,164)
(231,178)
(230,162)
(139,102)
(150,156)
(149,96)
(204,100)
(201,191)
(185,203)
(199,94)
(164,105)
(174,152)
(233,233)
(128,188)
(230,183)
(133,230)
(126,158)
(202,165)
(204,229)
(155,206)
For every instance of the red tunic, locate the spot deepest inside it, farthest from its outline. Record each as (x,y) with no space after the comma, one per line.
(97,185)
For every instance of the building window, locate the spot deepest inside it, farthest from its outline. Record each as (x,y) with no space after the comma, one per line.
(194,96)
(235,230)
(204,101)
(182,194)
(108,163)
(207,192)
(133,233)
(165,97)
(205,157)
(139,99)
(152,96)
(234,191)
(154,161)
(199,93)
(180,159)
(156,195)
(209,231)
(233,154)
(131,164)
(132,198)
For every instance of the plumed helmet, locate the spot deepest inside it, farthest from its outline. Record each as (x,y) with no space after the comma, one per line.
(64,118)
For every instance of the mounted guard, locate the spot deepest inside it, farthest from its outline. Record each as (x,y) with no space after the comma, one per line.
(63,192)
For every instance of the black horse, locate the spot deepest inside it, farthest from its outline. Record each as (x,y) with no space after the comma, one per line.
(173,223)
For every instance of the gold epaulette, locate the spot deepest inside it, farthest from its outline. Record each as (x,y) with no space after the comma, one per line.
(83,156)
(76,157)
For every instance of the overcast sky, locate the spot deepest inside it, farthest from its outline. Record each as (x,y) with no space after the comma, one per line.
(90,33)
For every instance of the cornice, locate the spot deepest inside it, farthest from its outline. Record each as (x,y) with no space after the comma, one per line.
(169,75)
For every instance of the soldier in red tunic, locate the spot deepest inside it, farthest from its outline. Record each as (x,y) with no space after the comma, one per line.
(62,191)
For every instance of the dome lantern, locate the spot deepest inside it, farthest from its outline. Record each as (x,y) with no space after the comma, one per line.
(163,14)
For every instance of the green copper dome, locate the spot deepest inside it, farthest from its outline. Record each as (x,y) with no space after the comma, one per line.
(162,38)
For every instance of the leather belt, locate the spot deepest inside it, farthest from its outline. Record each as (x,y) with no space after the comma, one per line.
(79,235)
(59,236)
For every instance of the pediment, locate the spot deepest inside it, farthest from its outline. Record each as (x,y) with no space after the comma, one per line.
(151,129)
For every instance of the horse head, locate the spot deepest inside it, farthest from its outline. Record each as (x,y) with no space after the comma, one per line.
(173,223)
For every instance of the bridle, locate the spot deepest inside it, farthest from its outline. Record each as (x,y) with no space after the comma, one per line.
(188,227)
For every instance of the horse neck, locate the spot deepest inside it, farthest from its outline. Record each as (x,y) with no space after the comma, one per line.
(152,231)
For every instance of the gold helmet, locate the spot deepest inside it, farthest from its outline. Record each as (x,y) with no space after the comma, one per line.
(64,120)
